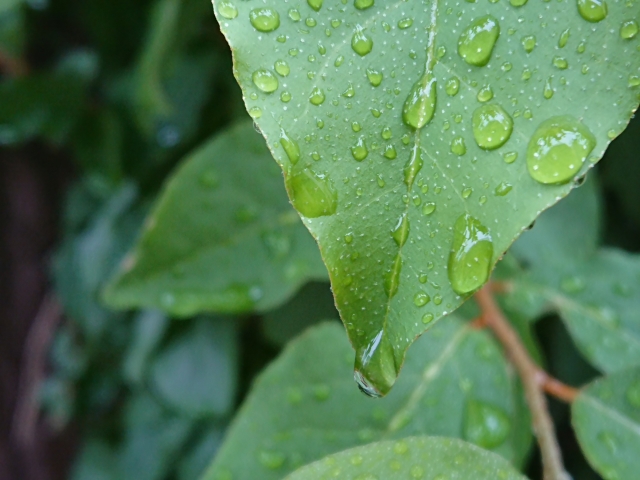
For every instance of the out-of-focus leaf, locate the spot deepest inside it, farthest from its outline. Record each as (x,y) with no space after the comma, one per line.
(413,457)
(152,442)
(195,461)
(12,29)
(222,237)
(196,373)
(148,331)
(305,405)
(312,304)
(606,417)
(595,291)
(96,461)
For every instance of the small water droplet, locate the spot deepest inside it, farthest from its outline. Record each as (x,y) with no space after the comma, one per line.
(228,10)
(401,231)
(312,194)
(629,29)
(360,42)
(360,150)
(485,94)
(427,318)
(492,126)
(315,4)
(265,80)
(503,189)
(291,147)
(421,299)
(458,146)
(478,40)
(529,42)
(317,96)
(413,166)
(282,68)
(294,15)
(420,105)
(264,19)
(374,76)
(564,38)
(405,23)
(452,86)
(593,10)
(471,255)
(390,152)
(363,4)
(558,149)
(560,63)
(510,157)
(485,425)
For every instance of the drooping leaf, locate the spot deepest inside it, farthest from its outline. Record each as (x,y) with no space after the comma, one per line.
(196,372)
(420,138)
(222,237)
(606,418)
(456,383)
(595,290)
(414,457)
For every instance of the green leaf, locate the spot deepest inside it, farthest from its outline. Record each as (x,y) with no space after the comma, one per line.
(410,458)
(595,291)
(149,327)
(390,130)
(179,377)
(222,237)
(606,418)
(96,461)
(455,382)
(193,464)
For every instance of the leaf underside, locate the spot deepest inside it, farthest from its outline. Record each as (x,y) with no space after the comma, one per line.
(383,198)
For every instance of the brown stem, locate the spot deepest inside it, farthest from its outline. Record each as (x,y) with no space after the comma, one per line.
(534,382)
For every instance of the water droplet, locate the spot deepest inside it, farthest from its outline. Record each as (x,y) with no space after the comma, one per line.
(485,425)
(417,472)
(392,277)
(558,149)
(413,166)
(400,448)
(548,89)
(363,4)
(421,299)
(492,126)
(312,194)
(405,23)
(471,255)
(285,97)
(322,392)
(629,29)
(427,318)
(315,4)
(633,394)
(421,103)
(503,189)
(375,369)
(428,208)
(560,63)
(360,150)
(593,10)
(374,76)
(510,157)
(255,112)
(390,152)
(529,43)
(477,42)
(227,10)
(265,80)
(452,86)
(634,81)
(264,19)
(290,146)
(271,460)
(564,38)
(294,15)
(485,94)
(317,96)
(360,42)
(282,68)
(401,231)
(458,146)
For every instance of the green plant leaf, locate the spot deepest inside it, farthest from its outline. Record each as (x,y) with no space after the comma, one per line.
(396,125)
(595,290)
(456,383)
(179,377)
(222,237)
(410,458)
(606,418)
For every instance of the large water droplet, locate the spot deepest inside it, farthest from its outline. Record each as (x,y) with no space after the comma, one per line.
(421,103)
(374,76)
(363,4)
(458,146)
(593,10)
(264,19)
(629,29)
(558,149)
(452,86)
(227,10)
(282,68)
(471,255)
(317,96)
(360,42)
(401,232)
(290,146)
(492,126)
(265,80)
(413,166)
(375,369)
(360,150)
(312,194)
(315,4)
(485,425)
(477,42)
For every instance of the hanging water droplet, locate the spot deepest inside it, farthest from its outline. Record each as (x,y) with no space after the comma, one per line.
(360,150)
(312,194)
(227,10)
(477,42)
(492,126)
(375,369)
(420,105)
(363,4)
(458,146)
(471,255)
(401,231)
(360,42)
(265,80)
(290,146)
(317,96)
(629,29)
(485,425)
(264,19)
(593,10)
(558,149)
